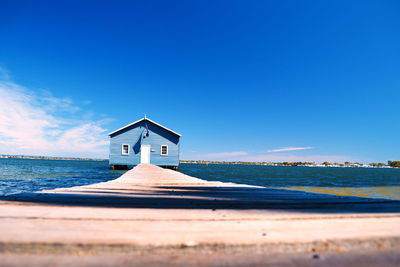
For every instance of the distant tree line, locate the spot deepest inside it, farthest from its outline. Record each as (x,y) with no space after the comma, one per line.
(48,158)
(377,164)
(394,164)
(296,163)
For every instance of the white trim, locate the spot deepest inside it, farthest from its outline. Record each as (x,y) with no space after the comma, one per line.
(163,127)
(144,119)
(122,149)
(125,126)
(161,150)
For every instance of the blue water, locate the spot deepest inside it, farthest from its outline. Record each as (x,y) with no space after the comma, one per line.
(29,175)
(289,176)
(361,182)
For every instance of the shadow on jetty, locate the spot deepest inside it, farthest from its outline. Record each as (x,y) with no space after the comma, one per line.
(205,197)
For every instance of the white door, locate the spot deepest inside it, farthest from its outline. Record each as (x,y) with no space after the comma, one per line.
(145,154)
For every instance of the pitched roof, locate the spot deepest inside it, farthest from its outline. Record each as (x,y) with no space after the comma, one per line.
(144,119)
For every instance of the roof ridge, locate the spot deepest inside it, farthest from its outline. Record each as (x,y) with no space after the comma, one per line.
(144,119)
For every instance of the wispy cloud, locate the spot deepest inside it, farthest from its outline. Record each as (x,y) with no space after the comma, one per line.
(267,157)
(245,156)
(225,154)
(289,149)
(296,158)
(37,123)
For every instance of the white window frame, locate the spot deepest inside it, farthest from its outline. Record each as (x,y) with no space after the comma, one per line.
(161,150)
(122,149)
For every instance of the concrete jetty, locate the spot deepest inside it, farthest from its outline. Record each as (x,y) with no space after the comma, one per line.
(160,216)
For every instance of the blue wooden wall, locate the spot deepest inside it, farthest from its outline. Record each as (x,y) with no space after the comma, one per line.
(135,137)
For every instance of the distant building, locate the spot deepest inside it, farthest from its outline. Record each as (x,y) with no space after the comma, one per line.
(144,141)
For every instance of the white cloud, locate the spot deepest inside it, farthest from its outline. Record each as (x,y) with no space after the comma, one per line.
(249,157)
(296,158)
(225,154)
(37,123)
(289,149)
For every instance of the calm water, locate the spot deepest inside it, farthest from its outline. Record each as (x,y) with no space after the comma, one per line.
(363,182)
(29,175)
(25,175)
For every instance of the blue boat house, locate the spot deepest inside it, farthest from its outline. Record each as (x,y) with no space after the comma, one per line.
(144,141)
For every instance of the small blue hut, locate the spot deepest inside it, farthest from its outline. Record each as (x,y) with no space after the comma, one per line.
(144,141)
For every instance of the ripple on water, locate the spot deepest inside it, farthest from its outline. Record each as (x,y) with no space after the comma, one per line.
(24,175)
(386,192)
(362,182)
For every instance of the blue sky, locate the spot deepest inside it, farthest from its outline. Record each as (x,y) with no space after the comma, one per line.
(240,80)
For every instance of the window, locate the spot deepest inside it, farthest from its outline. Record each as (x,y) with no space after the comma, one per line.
(125,149)
(164,150)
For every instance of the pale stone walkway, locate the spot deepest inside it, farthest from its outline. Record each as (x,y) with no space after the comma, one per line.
(150,209)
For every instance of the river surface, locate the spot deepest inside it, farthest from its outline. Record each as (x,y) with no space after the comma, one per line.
(29,175)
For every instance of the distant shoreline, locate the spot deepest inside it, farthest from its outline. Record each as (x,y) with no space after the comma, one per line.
(47,158)
(307,164)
